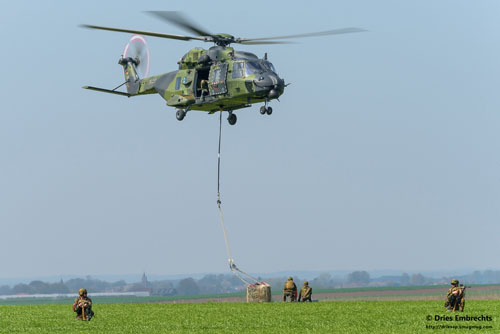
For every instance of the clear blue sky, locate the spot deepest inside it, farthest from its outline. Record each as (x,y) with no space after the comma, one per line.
(382,154)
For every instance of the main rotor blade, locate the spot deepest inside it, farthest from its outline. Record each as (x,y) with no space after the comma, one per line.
(147,33)
(311,34)
(180,21)
(252,42)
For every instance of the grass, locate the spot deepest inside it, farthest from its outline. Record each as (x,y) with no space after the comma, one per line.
(323,317)
(112,300)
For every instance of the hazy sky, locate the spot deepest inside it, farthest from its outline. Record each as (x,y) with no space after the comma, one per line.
(382,154)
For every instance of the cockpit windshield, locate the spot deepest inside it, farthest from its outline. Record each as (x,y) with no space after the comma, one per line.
(268,66)
(252,67)
(243,69)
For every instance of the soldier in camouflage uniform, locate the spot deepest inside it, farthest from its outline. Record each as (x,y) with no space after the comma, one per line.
(290,290)
(455,298)
(83,303)
(204,87)
(305,292)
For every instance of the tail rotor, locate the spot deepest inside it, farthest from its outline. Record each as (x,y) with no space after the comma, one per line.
(138,52)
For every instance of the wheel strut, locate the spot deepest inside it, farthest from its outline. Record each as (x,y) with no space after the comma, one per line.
(265,109)
(180,114)
(232,118)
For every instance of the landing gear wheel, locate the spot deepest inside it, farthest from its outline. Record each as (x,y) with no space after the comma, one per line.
(180,114)
(232,119)
(263,110)
(269,110)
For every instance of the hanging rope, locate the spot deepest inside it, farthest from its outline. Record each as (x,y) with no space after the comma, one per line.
(243,276)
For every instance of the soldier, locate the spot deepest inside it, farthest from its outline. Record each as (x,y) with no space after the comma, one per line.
(305,292)
(83,306)
(455,298)
(204,87)
(290,290)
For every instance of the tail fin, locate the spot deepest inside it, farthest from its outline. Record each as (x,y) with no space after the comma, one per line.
(131,77)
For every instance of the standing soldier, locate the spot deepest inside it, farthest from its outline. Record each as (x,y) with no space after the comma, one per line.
(305,292)
(204,87)
(83,306)
(455,298)
(290,290)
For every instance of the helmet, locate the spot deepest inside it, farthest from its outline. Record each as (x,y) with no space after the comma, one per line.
(290,278)
(454,281)
(306,283)
(82,292)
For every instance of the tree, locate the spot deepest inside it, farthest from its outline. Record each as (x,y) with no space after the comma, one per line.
(163,288)
(323,281)
(22,288)
(136,287)
(405,279)
(417,279)
(359,277)
(210,284)
(39,287)
(91,284)
(118,284)
(58,287)
(188,286)
(5,290)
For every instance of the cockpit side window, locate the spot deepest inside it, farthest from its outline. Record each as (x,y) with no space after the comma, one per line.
(238,70)
(268,66)
(252,67)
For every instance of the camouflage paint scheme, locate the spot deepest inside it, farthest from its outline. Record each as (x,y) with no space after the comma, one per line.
(181,89)
(219,78)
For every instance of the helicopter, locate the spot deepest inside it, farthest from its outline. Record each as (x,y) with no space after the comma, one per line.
(218,79)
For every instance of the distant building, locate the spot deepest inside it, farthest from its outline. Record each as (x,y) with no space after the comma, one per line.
(144,280)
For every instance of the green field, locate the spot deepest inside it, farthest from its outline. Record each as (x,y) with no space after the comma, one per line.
(322,317)
(371,293)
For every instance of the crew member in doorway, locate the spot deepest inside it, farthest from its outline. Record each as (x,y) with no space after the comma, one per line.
(204,87)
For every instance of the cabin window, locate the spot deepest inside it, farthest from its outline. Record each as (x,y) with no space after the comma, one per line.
(252,66)
(238,70)
(178,83)
(217,77)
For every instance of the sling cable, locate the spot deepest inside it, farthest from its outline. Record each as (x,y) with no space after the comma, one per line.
(243,276)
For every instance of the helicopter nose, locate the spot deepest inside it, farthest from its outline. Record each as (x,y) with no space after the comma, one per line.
(266,79)
(277,89)
(272,83)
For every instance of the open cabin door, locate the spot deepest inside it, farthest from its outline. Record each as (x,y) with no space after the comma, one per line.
(217,79)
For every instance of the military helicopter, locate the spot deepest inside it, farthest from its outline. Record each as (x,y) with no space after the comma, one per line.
(217,79)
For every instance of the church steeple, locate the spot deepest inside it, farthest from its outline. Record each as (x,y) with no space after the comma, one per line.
(144,279)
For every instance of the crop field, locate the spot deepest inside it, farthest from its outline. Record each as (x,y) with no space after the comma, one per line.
(477,292)
(321,317)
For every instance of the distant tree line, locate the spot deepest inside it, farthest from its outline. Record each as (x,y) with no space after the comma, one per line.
(72,285)
(226,283)
(485,277)
(209,284)
(33,288)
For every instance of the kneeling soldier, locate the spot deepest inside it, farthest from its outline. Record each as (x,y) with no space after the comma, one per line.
(305,292)
(455,298)
(83,306)
(290,290)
